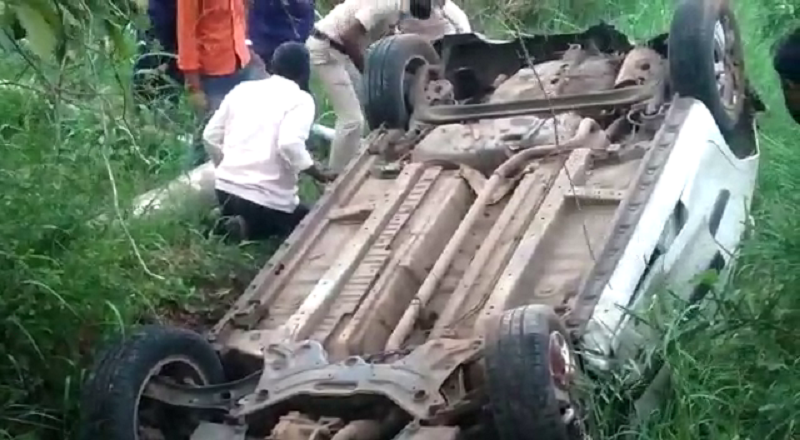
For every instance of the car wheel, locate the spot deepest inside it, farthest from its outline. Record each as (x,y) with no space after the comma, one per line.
(113,403)
(531,370)
(706,61)
(390,67)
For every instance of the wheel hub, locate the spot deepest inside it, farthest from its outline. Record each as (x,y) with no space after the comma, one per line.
(725,64)
(562,362)
(563,367)
(149,414)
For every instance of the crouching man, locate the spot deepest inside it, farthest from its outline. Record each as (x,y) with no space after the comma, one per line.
(259,150)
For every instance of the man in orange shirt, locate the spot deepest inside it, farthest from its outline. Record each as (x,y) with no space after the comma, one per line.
(213,53)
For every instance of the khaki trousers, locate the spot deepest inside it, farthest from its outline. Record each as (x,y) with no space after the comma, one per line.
(330,66)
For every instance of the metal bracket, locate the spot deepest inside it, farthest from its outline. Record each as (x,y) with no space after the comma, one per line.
(413,382)
(450,114)
(219,396)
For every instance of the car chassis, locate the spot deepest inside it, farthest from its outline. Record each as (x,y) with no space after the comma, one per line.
(293,386)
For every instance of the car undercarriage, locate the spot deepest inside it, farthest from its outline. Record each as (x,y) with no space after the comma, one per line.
(475,259)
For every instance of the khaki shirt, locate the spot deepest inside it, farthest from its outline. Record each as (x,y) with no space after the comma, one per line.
(379,17)
(447,20)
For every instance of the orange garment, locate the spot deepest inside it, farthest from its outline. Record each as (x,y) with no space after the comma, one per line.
(211,36)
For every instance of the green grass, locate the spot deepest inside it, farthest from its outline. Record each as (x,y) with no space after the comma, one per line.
(71,154)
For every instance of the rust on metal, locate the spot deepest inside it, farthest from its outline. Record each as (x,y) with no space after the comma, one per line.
(448,114)
(412,383)
(352,213)
(386,292)
(509,209)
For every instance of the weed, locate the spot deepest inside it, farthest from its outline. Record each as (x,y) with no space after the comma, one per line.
(75,264)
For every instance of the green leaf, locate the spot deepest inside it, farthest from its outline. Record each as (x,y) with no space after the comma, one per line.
(117,38)
(41,33)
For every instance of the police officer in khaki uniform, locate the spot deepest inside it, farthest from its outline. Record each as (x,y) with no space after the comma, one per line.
(342,36)
(447,19)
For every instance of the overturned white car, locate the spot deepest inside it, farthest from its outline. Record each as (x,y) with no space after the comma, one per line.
(512,201)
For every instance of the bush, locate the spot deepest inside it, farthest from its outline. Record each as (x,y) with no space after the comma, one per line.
(74,264)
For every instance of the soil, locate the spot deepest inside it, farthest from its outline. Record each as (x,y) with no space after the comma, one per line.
(212,299)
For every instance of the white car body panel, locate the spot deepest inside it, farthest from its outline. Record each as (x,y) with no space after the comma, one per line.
(701,166)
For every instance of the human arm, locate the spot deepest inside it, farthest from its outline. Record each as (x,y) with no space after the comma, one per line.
(457,17)
(317,173)
(188,45)
(367,18)
(292,135)
(214,132)
(352,46)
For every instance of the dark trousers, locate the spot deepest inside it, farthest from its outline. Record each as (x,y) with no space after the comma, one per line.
(260,222)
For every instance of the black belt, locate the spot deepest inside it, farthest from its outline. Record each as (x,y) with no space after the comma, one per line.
(319,35)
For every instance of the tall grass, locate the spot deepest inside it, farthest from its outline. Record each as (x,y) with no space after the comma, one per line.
(73,152)
(74,264)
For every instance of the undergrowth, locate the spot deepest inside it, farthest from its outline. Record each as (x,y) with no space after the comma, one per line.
(76,265)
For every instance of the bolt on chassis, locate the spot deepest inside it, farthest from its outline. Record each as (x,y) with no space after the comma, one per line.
(512,201)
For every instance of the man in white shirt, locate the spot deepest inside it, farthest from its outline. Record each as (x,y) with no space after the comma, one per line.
(344,34)
(257,142)
(445,20)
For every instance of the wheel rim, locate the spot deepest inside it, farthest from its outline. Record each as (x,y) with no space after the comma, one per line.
(562,362)
(727,65)
(409,73)
(563,368)
(178,369)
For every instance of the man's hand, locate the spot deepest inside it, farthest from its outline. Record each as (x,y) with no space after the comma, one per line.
(258,62)
(198,100)
(353,44)
(196,96)
(329,176)
(320,175)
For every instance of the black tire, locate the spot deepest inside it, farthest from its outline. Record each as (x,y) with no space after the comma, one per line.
(522,392)
(112,392)
(389,64)
(691,46)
